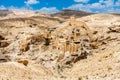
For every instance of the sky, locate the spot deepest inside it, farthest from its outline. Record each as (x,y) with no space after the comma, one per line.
(53,6)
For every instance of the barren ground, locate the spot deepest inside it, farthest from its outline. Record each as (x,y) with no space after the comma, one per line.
(102,64)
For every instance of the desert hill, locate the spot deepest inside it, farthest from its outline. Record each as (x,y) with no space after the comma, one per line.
(13,23)
(66,13)
(15,13)
(4,12)
(41,47)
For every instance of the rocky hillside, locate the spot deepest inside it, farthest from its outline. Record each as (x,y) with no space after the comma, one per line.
(32,48)
(11,25)
(5,12)
(68,13)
